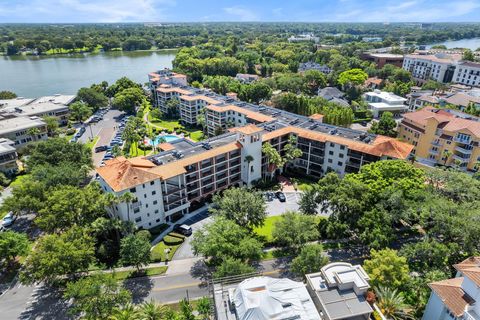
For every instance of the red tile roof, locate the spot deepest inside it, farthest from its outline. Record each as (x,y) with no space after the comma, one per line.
(452,295)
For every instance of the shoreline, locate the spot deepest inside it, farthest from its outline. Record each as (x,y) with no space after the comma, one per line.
(84,54)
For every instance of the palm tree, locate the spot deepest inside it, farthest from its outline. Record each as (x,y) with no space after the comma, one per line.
(128,198)
(446,154)
(248,159)
(153,136)
(274,158)
(152,311)
(127,313)
(33,132)
(201,119)
(392,304)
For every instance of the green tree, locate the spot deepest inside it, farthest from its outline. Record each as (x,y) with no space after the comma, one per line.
(274,159)
(135,250)
(12,244)
(128,99)
(290,150)
(385,126)
(204,308)
(4,95)
(96,296)
(52,125)
(56,255)
(80,111)
(232,267)
(310,259)
(186,310)
(392,304)
(295,230)
(352,77)
(223,238)
(33,133)
(429,255)
(245,207)
(127,312)
(386,268)
(58,150)
(93,98)
(468,55)
(314,80)
(309,200)
(150,310)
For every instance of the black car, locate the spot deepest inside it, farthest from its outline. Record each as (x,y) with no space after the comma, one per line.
(269,196)
(183,229)
(281,196)
(101,148)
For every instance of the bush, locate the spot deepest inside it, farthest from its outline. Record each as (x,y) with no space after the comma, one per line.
(145,147)
(171,240)
(70,131)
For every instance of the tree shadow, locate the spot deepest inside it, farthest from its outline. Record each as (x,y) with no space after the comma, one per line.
(140,287)
(201,271)
(48,303)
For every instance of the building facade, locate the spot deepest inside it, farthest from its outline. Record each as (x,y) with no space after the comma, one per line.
(8,157)
(186,173)
(456,298)
(17,129)
(381,59)
(442,137)
(439,67)
(382,101)
(467,73)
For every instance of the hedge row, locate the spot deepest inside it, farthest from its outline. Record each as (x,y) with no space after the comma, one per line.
(173,240)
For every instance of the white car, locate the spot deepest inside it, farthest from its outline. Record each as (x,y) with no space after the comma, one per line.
(9,219)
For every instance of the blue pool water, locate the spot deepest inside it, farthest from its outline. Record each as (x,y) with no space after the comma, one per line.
(167,137)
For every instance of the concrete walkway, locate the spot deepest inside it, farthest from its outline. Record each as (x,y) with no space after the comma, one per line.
(181,221)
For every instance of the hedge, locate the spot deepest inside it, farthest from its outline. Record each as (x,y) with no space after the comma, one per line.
(171,240)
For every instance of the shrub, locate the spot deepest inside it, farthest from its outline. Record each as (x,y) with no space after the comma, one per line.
(70,131)
(171,240)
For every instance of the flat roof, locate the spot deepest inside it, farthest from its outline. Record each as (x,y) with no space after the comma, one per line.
(19,123)
(14,103)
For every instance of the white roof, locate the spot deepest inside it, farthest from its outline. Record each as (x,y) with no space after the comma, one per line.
(14,103)
(265,298)
(19,123)
(386,106)
(387,97)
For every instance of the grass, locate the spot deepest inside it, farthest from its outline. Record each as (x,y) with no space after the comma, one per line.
(154,271)
(176,306)
(91,143)
(158,252)
(265,231)
(196,135)
(274,254)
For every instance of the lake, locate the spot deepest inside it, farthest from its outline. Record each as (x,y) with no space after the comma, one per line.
(472,44)
(32,77)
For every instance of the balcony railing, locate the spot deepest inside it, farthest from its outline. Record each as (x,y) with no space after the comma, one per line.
(435,152)
(462,140)
(461,159)
(464,150)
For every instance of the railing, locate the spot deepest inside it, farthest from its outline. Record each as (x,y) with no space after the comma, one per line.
(463,160)
(464,150)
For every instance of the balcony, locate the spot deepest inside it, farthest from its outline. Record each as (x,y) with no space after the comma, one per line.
(136,205)
(431,151)
(467,150)
(461,159)
(437,143)
(464,140)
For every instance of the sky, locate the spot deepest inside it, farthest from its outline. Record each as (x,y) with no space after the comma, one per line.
(77,11)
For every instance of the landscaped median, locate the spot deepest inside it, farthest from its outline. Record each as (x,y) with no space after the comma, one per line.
(128,274)
(171,241)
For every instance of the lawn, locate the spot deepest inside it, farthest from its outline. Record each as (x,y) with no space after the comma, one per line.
(265,231)
(274,254)
(158,252)
(91,143)
(122,275)
(196,135)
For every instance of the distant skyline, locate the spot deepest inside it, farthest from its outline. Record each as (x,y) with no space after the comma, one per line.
(77,11)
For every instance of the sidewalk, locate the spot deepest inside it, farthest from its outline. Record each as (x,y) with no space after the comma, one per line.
(182,220)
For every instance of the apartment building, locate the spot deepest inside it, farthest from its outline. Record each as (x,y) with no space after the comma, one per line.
(17,129)
(382,101)
(456,298)
(53,106)
(339,291)
(8,156)
(442,137)
(439,67)
(467,73)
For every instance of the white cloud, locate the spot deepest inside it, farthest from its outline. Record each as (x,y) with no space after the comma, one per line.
(243,14)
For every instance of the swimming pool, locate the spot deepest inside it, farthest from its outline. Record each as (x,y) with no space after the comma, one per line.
(167,137)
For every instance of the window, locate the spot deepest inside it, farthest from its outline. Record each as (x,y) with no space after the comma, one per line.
(342,147)
(154,192)
(330,160)
(340,163)
(136,210)
(332,144)
(330,153)
(152,183)
(341,155)
(156,211)
(133,190)
(155,202)
(145,196)
(146,205)
(138,219)
(143,185)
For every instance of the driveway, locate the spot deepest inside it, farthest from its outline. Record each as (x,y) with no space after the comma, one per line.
(198,221)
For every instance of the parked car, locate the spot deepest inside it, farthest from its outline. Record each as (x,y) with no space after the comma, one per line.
(183,229)
(101,148)
(269,196)
(9,219)
(281,196)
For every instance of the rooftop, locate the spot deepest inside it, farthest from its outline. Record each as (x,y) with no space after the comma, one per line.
(439,57)
(19,123)
(387,97)
(453,296)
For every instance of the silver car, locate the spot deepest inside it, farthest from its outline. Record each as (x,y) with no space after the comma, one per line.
(9,219)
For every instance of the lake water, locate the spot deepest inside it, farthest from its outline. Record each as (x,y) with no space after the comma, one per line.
(38,76)
(472,44)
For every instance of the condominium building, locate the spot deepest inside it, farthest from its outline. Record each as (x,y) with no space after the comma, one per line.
(439,67)
(54,106)
(167,184)
(467,73)
(382,101)
(8,156)
(442,137)
(456,298)
(17,129)
(339,291)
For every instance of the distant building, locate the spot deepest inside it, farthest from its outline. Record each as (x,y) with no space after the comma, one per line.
(381,59)
(17,129)
(439,67)
(246,78)
(339,291)
(304,37)
(456,298)
(382,101)
(8,156)
(373,83)
(455,98)
(433,131)
(372,39)
(333,94)
(467,73)
(305,66)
